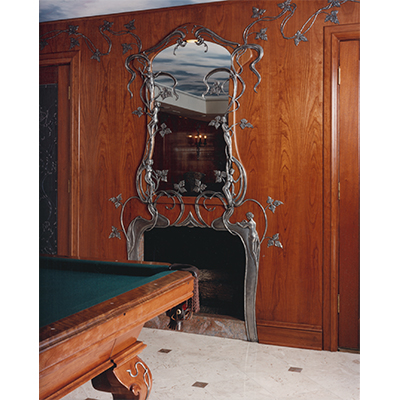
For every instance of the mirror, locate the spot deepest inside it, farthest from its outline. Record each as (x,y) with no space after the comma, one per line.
(194,90)
(207,166)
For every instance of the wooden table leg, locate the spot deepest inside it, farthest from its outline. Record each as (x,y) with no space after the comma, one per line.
(130,379)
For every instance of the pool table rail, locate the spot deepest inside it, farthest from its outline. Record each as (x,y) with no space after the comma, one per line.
(77,348)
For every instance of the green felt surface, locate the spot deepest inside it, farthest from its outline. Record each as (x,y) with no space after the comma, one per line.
(67,286)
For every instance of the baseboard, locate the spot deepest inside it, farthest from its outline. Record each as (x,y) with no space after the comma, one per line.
(290,335)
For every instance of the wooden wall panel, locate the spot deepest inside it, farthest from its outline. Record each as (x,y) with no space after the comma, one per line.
(283,153)
(292,280)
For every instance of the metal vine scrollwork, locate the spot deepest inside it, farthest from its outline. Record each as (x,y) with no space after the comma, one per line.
(74,35)
(233,176)
(288,9)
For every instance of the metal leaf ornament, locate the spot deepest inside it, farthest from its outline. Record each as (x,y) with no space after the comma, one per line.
(262,34)
(334,3)
(299,37)
(180,187)
(274,241)
(162,175)
(332,17)
(164,130)
(138,112)
(257,12)
(219,176)
(117,200)
(272,204)
(216,122)
(115,233)
(126,47)
(199,187)
(165,93)
(245,124)
(73,42)
(96,56)
(130,25)
(217,88)
(73,29)
(285,5)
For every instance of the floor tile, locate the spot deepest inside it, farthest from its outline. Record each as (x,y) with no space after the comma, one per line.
(236,369)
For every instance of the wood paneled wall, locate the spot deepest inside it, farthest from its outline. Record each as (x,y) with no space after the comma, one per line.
(283,153)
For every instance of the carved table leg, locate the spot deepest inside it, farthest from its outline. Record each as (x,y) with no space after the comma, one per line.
(127,380)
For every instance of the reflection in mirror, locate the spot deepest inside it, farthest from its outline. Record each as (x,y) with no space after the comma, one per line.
(190,65)
(190,149)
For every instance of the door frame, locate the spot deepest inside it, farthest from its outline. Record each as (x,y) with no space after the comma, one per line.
(72,58)
(333,35)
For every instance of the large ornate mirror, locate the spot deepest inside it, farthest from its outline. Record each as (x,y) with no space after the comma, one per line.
(188,147)
(192,84)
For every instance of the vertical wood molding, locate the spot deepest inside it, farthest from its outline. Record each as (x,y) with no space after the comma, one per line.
(332,37)
(72,58)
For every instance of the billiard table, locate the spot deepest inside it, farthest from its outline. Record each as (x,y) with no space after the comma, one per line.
(90,315)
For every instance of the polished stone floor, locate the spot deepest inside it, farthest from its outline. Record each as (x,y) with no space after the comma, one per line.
(202,367)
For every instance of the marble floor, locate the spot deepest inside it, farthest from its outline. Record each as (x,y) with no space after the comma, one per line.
(202,367)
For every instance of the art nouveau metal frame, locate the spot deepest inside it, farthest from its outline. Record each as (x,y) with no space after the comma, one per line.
(233,177)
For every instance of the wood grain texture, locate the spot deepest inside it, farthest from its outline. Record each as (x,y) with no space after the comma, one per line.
(333,35)
(288,334)
(283,154)
(349,203)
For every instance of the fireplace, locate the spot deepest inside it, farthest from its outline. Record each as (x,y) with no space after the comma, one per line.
(181,196)
(220,258)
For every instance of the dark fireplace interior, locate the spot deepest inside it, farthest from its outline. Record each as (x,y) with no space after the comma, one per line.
(219,256)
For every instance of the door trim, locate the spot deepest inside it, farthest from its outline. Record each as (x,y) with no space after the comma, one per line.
(73,59)
(333,35)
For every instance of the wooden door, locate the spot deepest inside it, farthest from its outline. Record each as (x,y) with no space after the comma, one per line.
(349,195)
(54,184)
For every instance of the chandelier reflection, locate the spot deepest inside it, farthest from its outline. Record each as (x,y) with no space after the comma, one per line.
(197,141)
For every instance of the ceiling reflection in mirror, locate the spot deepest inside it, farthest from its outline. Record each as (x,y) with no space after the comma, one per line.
(190,149)
(194,96)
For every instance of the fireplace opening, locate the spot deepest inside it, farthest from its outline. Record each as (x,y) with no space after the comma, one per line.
(219,256)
